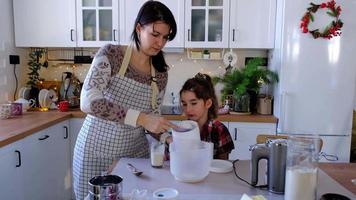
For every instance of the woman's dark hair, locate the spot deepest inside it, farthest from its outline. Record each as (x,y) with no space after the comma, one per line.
(150,12)
(203,88)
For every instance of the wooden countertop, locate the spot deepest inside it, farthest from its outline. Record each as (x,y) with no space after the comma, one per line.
(16,128)
(343,173)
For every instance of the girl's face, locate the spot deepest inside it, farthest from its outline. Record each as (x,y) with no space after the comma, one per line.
(153,37)
(195,109)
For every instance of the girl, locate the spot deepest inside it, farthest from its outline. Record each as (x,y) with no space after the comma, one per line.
(200,104)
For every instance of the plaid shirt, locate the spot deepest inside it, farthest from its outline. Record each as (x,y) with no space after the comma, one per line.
(216,132)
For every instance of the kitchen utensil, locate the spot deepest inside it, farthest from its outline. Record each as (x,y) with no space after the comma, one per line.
(63,106)
(16,109)
(133,169)
(43,98)
(187,134)
(5,110)
(165,194)
(24,93)
(157,154)
(275,151)
(190,164)
(106,187)
(302,169)
(220,166)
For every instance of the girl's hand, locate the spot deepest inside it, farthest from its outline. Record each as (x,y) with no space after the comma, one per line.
(154,123)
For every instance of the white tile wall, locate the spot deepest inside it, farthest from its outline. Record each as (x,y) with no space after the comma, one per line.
(181,68)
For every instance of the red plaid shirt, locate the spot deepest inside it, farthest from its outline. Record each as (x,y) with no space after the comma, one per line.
(216,132)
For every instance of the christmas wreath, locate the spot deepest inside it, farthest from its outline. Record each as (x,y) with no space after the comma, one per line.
(333,29)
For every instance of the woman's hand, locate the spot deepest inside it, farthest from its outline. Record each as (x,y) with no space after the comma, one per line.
(154,123)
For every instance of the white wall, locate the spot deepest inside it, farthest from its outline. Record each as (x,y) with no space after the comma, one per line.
(7,47)
(181,68)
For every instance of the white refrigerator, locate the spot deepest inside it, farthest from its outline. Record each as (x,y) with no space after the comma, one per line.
(316,91)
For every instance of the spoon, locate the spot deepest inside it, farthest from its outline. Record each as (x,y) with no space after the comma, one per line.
(133,169)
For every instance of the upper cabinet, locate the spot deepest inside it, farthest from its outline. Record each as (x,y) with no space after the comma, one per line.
(97,22)
(128,13)
(93,23)
(252,24)
(207,23)
(44,23)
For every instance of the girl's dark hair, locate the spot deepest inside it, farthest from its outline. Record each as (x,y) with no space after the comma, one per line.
(150,12)
(203,88)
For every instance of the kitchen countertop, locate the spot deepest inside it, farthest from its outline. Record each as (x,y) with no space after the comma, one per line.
(218,186)
(16,128)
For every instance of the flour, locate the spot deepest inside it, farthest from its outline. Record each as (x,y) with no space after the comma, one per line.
(300,183)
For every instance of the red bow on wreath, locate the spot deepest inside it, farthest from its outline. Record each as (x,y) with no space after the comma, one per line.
(333,29)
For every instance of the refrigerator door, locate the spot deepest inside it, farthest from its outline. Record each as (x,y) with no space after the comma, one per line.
(317,84)
(332,148)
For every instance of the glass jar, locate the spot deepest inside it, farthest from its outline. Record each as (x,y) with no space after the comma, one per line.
(302,167)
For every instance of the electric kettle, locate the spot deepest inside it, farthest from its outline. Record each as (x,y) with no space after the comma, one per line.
(70,89)
(275,151)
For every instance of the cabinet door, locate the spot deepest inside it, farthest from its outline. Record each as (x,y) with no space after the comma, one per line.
(244,135)
(97,22)
(44,23)
(46,166)
(252,24)
(10,172)
(60,165)
(207,23)
(128,13)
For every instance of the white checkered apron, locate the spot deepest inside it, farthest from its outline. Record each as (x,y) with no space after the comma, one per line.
(100,142)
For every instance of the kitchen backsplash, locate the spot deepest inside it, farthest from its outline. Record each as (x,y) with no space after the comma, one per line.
(181,68)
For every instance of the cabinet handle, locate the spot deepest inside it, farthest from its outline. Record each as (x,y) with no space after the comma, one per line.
(233,35)
(114,32)
(44,137)
(66,132)
(19,156)
(235,133)
(71,35)
(188,34)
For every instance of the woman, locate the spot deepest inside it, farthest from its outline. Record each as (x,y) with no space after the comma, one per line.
(121,93)
(200,104)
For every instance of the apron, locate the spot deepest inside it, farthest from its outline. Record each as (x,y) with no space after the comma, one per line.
(100,141)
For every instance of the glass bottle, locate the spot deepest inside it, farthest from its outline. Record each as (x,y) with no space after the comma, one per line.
(302,167)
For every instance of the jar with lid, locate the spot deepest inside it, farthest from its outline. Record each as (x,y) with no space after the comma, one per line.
(302,167)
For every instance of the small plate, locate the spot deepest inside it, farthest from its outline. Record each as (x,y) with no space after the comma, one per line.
(220,166)
(165,193)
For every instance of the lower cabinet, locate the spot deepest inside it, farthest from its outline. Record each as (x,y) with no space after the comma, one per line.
(244,134)
(10,172)
(38,166)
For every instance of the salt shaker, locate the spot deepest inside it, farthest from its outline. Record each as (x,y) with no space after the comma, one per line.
(302,167)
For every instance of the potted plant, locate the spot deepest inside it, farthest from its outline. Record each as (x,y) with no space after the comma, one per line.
(206,54)
(244,84)
(35,66)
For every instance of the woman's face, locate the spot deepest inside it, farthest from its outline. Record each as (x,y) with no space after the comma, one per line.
(194,108)
(153,37)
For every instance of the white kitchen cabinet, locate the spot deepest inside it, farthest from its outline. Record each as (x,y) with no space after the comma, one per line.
(45,164)
(244,134)
(207,23)
(10,171)
(128,13)
(252,23)
(97,22)
(44,23)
